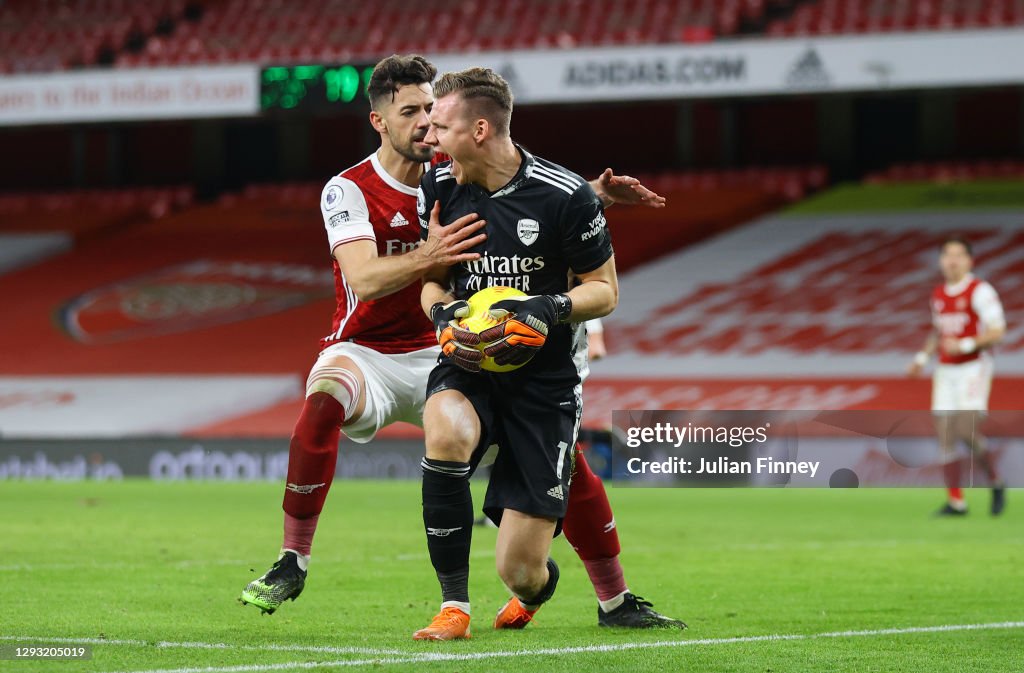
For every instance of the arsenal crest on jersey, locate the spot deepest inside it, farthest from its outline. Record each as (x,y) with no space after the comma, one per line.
(528,231)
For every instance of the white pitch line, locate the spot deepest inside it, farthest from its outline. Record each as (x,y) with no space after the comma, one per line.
(427,657)
(271,647)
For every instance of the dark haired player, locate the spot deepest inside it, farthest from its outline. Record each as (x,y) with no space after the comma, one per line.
(968,321)
(372,368)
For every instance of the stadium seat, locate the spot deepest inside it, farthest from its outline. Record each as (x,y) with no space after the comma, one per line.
(94,210)
(869,16)
(303,29)
(40,36)
(948,171)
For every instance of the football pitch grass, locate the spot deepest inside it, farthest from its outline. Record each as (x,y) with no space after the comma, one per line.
(149,574)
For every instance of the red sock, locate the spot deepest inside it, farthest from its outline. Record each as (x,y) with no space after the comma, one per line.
(298,533)
(312,458)
(951,472)
(589,527)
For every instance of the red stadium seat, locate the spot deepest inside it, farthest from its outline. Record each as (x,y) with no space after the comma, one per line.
(42,35)
(949,171)
(845,16)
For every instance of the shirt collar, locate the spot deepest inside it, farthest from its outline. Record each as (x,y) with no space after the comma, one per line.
(960,286)
(521,176)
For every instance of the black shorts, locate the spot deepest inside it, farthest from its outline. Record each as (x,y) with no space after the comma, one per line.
(534,421)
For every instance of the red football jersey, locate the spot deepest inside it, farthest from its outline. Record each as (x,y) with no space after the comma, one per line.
(955,314)
(365,203)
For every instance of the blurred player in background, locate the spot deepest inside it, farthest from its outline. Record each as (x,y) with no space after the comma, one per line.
(968,322)
(545,223)
(372,368)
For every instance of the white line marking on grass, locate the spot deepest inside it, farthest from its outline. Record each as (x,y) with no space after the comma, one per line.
(270,647)
(427,657)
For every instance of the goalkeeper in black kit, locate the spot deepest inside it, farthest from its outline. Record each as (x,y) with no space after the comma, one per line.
(544,224)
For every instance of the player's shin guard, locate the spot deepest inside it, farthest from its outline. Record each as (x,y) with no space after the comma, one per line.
(589,526)
(312,458)
(448,520)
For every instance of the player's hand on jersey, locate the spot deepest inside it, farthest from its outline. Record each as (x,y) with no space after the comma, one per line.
(448,244)
(523,330)
(456,343)
(611,188)
(950,346)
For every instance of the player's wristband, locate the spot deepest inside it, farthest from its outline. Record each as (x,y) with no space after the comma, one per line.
(434,308)
(563,306)
(967,345)
(921,359)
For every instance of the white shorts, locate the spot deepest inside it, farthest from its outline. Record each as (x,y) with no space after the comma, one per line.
(963,387)
(395,390)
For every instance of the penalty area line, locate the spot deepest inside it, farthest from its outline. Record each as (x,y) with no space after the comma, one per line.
(428,657)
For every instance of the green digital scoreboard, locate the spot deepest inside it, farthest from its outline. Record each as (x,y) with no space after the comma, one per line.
(314,87)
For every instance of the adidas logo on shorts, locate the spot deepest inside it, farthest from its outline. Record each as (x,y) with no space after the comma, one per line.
(556,492)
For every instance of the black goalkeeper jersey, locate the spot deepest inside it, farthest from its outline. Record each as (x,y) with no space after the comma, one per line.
(545,223)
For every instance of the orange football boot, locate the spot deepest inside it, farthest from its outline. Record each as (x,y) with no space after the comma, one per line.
(513,615)
(449,624)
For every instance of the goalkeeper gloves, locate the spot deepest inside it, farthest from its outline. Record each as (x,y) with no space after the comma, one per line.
(516,340)
(456,343)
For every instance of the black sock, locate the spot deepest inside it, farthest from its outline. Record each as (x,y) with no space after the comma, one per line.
(448,520)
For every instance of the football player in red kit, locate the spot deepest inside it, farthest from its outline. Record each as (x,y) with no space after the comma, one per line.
(372,368)
(968,322)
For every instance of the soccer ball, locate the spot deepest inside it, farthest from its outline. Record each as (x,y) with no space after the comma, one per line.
(479,319)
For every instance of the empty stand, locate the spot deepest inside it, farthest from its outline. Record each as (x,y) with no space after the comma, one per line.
(84,213)
(45,35)
(828,17)
(949,171)
(310,30)
(59,34)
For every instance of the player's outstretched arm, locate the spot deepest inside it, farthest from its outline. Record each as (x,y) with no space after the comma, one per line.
(372,277)
(611,189)
(922,357)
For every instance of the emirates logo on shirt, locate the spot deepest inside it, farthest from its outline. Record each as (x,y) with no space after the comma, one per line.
(191,296)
